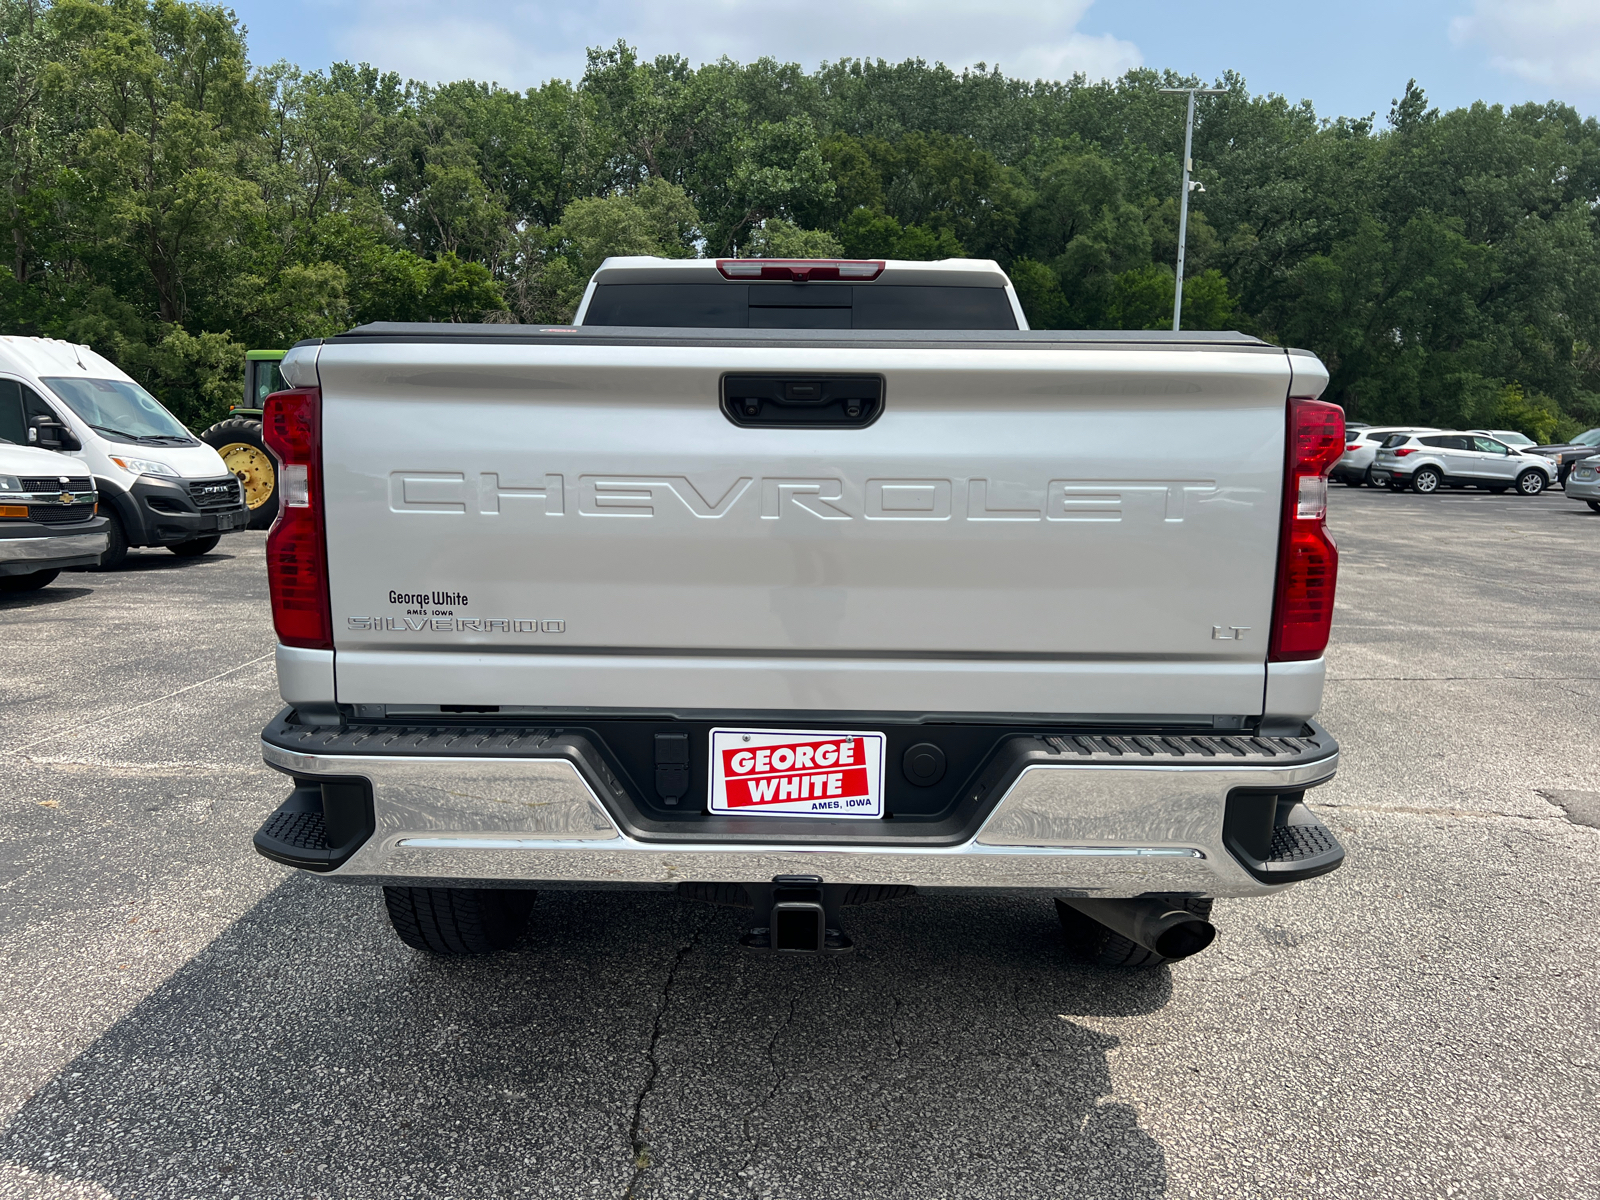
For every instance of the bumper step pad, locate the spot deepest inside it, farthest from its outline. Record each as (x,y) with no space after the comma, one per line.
(297,834)
(1278,839)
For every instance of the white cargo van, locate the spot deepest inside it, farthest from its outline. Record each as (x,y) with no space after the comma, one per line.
(159,485)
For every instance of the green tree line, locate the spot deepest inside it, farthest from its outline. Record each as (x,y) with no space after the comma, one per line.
(170,204)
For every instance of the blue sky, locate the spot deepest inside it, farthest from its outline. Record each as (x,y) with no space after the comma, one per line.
(1349,58)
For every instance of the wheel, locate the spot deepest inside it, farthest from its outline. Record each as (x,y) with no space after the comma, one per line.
(116,551)
(458,921)
(1425,481)
(239,441)
(1531,483)
(30,582)
(1368,479)
(1348,481)
(1091,942)
(1498,491)
(195,547)
(1594,504)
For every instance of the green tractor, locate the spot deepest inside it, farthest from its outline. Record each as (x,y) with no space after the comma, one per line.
(238,438)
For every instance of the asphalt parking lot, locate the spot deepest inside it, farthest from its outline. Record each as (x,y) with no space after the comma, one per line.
(186,1019)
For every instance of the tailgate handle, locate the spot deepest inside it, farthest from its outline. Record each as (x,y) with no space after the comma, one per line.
(802,402)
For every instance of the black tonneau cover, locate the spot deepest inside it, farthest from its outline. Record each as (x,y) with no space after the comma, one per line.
(1007,339)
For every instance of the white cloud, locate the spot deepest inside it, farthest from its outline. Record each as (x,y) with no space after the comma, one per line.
(1553,43)
(521,44)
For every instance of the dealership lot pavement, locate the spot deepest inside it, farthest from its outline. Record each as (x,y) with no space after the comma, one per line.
(184,1018)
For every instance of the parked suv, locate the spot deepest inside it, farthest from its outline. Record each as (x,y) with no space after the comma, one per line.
(1427,460)
(1584,483)
(1355,464)
(1517,441)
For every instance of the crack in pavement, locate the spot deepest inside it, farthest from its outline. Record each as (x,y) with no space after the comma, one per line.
(641,1151)
(746,1171)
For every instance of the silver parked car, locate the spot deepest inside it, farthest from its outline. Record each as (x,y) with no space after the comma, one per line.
(1517,441)
(1429,460)
(1584,483)
(1355,464)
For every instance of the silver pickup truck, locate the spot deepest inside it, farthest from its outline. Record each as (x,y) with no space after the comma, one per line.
(796,585)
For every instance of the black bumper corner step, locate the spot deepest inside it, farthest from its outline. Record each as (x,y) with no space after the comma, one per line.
(1278,839)
(297,834)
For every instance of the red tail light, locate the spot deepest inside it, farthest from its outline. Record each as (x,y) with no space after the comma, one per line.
(1308,560)
(297,556)
(799,270)
(1404,450)
(1353,446)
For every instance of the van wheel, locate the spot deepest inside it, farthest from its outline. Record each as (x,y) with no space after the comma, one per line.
(195,547)
(238,440)
(30,582)
(116,551)
(1531,483)
(1091,942)
(459,921)
(1594,504)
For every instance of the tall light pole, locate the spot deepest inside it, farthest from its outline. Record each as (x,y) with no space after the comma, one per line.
(1183,196)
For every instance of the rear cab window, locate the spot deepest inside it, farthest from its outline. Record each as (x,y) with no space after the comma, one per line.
(731,305)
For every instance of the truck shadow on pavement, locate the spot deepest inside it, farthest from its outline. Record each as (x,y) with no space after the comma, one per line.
(11,601)
(628,1047)
(159,560)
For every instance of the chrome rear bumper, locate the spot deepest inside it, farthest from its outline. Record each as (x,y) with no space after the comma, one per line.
(1102,828)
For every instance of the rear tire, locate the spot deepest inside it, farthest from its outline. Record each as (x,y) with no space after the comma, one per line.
(1531,483)
(1425,481)
(239,441)
(1091,942)
(459,921)
(30,582)
(116,551)
(1594,504)
(195,547)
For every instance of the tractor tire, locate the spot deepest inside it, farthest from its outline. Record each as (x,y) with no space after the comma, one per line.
(239,441)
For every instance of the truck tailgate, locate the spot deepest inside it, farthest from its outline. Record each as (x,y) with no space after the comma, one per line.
(1087,530)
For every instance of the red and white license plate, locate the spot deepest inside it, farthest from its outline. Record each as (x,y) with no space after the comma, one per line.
(797,772)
